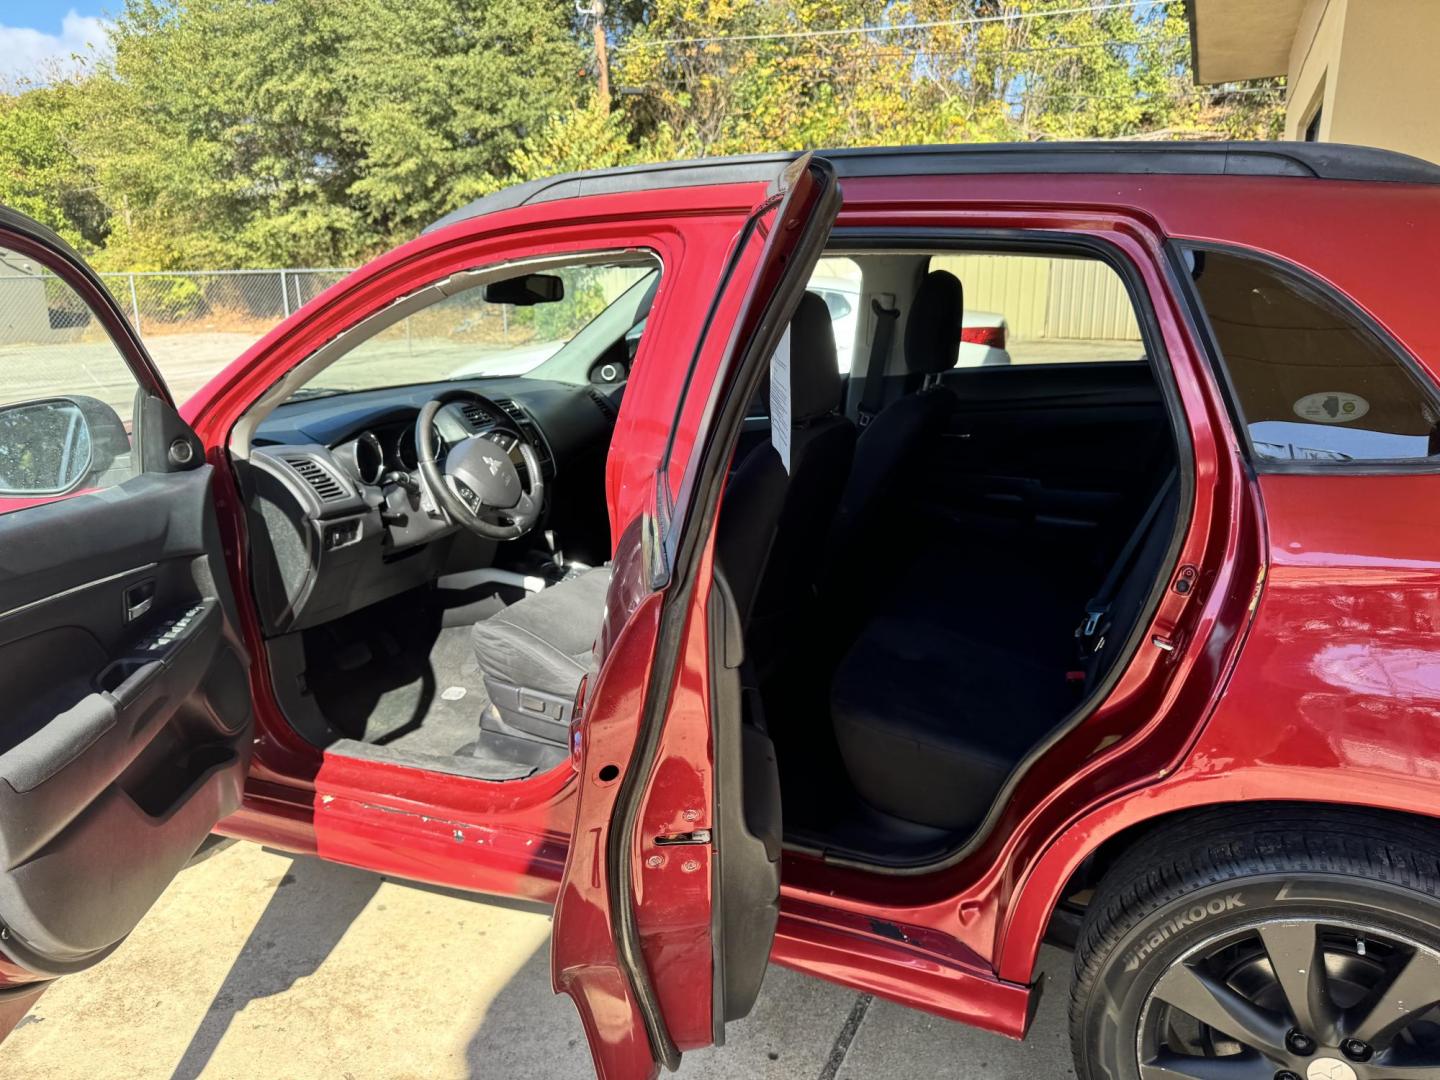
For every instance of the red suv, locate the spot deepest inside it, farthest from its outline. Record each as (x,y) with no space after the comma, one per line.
(550,555)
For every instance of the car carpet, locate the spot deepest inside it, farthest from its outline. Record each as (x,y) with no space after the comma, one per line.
(388,692)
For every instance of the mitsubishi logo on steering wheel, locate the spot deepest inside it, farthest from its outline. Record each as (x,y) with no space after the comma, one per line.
(494,464)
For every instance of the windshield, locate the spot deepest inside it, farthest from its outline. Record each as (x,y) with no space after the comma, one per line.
(464,336)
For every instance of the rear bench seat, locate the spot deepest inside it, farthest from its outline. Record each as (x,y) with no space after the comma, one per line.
(934,706)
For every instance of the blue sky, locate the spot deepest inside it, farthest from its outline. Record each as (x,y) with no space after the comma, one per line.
(35,34)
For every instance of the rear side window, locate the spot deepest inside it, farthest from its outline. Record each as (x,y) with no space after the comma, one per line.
(1312,383)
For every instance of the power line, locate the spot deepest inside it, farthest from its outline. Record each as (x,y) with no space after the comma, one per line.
(1207,92)
(899,50)
(976,20)
(1201,92)
(981,53)
(920,53)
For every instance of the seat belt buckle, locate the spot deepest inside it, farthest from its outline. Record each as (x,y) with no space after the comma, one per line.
(1093,615)
(862,419)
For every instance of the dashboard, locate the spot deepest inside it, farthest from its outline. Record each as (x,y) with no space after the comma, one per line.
(340,517)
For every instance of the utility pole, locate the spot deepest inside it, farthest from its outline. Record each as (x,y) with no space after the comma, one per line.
(595,10)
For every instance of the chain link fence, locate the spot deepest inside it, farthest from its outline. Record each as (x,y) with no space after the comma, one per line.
(193,322)
(223,301)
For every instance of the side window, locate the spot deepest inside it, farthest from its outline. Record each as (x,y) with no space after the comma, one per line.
(1311,383)
(836,280)
(66,391)
(1042,309)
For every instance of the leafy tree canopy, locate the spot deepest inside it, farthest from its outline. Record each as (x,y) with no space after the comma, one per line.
(308,132)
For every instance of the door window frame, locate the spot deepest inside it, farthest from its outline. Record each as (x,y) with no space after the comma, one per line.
(34,242)
(919,239)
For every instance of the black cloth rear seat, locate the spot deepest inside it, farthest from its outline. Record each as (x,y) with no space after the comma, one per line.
(935,704)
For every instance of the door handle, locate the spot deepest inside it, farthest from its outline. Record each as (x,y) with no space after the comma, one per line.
(139,598)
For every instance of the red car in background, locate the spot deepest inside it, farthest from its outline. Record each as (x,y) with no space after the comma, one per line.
(885,678)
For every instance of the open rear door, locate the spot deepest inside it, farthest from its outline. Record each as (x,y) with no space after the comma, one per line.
(667,912)
(126,725)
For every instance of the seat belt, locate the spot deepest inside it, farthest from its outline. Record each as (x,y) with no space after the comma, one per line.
(873,398)
(1098,606)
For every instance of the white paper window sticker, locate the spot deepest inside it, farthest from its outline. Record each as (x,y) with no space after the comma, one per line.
(780,400)
(1331,407)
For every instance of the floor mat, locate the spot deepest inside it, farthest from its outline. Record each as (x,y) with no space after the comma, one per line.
(458,697)
(389,690)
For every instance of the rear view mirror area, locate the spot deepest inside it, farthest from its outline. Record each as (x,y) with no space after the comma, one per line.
(52,446)
(526,290)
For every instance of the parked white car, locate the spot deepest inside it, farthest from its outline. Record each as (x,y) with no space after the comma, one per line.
(982,333)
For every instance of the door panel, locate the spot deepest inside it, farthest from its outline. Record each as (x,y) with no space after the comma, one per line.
(644,942)
(1049,453)
(128,731)
(127,724)
(747,817)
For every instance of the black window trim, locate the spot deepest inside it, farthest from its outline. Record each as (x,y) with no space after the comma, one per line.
(1364,321)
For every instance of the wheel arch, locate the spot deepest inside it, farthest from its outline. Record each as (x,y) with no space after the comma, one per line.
(1090,847)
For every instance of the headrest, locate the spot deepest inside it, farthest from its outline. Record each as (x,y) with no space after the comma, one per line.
(932,333)
(814,373)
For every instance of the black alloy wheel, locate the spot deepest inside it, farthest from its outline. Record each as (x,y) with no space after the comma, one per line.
(1296,998)
(1265,943)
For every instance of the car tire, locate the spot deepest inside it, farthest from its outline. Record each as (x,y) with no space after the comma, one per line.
(1213,915)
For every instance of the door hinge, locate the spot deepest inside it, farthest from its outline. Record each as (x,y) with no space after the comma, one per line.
(698,836)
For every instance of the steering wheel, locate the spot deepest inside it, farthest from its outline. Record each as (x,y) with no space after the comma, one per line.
(477,483)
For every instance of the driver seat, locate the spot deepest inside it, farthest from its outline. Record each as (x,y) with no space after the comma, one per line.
(534,654)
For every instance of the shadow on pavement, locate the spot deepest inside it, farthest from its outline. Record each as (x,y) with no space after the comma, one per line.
(311,909)
(529,1031)
(313,905)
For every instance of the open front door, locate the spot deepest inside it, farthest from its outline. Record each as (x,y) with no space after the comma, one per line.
(667,912)
(126,724)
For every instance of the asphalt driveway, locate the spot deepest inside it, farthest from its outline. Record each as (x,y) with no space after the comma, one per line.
(257,964)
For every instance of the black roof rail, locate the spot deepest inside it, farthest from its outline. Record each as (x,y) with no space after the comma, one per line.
(1324,161)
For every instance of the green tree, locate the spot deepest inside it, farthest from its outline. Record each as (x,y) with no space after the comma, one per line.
(442,93)
(732,76)
(590,137)
(40,172)
(262,132)
(279,132)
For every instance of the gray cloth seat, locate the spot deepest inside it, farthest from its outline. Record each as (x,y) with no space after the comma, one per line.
(534,653)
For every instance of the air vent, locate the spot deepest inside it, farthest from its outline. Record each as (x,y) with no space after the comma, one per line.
(474,415)
(532,432)
(318,477)
(513,410)
(603,403)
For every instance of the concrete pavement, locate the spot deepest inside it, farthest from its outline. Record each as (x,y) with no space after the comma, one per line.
(257,964)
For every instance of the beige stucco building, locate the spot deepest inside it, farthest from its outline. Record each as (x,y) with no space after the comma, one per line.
(1358,71)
